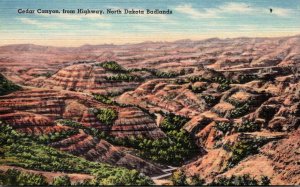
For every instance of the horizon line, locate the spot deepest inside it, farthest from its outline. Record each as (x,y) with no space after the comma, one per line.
(151,41)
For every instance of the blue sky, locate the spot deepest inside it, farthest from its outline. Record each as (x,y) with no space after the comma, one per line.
(193,19)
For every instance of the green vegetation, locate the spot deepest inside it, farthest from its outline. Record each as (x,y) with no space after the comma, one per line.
(240,111)
(120,77)
(179,178)
(243,180)
(247,126)
(237,103)
(88,130)
(61,181)
(112,66)
(224,83)
(210,100)
(220,80)
(161,74)
(19,150)
(107,116)
(196,79)
(13,177)
(242,149)
(122,177)
(197,89)
(173,122)
(104,99)
(223,87)
(241,108)
(121,73)
(224,127)
(7,86)
(47,74)
(244,78)
(176,148)
(196,181)
(54,137)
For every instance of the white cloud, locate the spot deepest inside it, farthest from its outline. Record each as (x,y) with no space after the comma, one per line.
(194,13)
(281,12)
(236,7)
(37,23)
(229,8)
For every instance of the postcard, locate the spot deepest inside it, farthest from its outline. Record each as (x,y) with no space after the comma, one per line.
(149,92)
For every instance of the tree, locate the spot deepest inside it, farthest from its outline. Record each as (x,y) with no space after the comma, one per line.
(196,181)
(14,177)
(107,115)
(243,180)
(62,181)
(112,66)
(179,178)
(7,86)
(264,181)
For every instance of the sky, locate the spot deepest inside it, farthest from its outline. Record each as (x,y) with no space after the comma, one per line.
(191,19)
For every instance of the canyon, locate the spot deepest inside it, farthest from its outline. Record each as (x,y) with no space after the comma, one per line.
(210,109)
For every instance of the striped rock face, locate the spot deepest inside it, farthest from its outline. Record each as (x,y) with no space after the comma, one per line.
(34,111)
(87,78)
(23,62)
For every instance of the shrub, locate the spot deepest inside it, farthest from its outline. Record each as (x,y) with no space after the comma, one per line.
(243,180)
(223,87)
(179,178)
(13,177)
(61,181)
(265,181)
(180,81)
(196,79)
(88,130)
(242,79)
(107,116)
(239,111)
(196,89)
(54,136)
(224,83)
(173,122)
(196,181)
(210,100)
(176,148)
(161,74)
(112,66)
(120,77)
(224,127)
(242,149)
(24,152)
(247,126)
(7,86)
(121,177)
(104,99)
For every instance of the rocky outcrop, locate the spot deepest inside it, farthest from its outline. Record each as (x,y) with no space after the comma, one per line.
(161,95)
(277,160)
(213,53)
(36,110)
(93,149)
(87,78)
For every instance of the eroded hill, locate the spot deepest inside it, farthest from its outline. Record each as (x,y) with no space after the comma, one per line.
(212,108)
